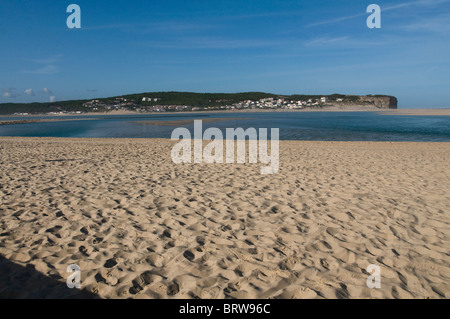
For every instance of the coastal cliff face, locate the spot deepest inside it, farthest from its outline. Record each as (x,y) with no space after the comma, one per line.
(383,102)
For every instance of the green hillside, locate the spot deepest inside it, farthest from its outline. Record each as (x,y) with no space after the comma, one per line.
(134,101)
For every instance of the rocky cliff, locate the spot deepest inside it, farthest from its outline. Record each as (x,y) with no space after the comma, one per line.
(382,102)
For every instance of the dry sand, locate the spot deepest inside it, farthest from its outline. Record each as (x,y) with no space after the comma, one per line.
(140,226)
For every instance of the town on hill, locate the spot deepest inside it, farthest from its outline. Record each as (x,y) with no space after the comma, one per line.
(187,101)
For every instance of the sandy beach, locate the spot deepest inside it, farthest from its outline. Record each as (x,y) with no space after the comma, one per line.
(23,119)
(140,226)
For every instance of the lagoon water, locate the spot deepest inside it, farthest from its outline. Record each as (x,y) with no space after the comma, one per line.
(328,126)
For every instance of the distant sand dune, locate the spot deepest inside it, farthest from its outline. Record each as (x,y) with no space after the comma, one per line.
(417,112)
(43,120)
(140,226)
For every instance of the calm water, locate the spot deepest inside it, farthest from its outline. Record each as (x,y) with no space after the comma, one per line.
(331,126)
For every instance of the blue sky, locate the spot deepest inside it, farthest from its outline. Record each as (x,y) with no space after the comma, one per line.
(284,47)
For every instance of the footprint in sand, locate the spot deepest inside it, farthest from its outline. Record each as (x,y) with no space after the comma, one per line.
(110,263)
(189,255)
(173,289)
(142,281)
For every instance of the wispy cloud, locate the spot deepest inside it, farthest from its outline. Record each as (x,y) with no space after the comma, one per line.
(52,97)
(336,20)
(29,92)
(50,60)
(348,42)
(48,69)
(437,24)
(325,41)
(178,25)
(45,65)
(47,91)
(218,43)
(9,93)
(263,15)
(417,3)
(164,26)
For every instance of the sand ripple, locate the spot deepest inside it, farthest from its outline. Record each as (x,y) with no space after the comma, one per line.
(140,226)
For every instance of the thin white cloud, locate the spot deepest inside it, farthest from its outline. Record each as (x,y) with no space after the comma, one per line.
(339,19)
(29,92)
(219,43)
(325,41)
(45,65)
(263,15)
(9,93)
(48,69)
(437,24)
(52,98)
(348,42)
(166,26)
(419,3)
(47,91)
(50,60)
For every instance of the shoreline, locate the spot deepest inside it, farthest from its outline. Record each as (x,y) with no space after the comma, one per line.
(345,108)
(153,139)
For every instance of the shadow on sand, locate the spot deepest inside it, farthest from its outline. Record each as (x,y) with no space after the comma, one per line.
(18,282)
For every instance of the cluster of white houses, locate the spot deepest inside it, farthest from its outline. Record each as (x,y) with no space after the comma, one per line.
(266,103)
(275,103)
(165,108)
(151,99)
(123,103)
(116,104)
(149,104)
